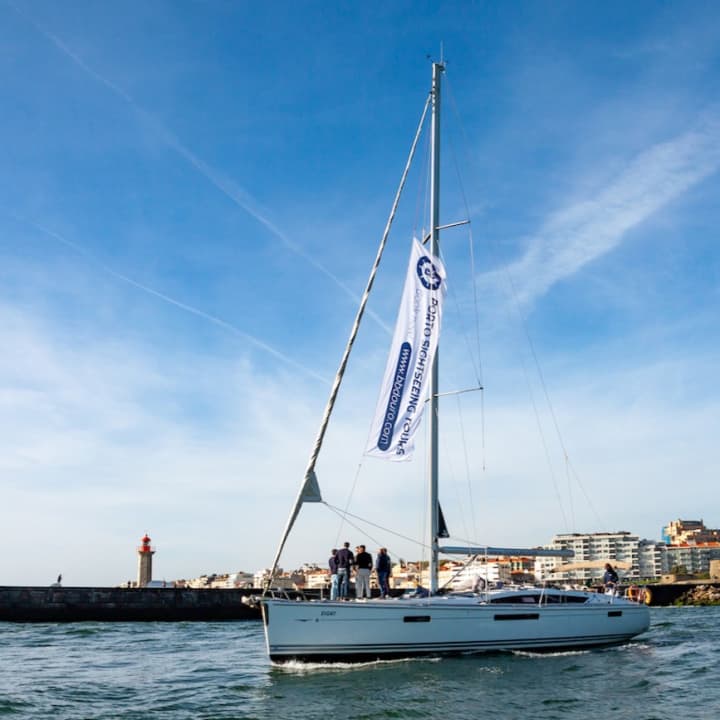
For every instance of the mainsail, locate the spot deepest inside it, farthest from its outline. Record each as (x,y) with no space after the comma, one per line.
(407,373)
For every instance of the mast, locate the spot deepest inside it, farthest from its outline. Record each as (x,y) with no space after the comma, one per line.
(437,70)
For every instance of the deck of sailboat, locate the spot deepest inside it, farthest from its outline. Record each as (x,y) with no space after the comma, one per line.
(518,596)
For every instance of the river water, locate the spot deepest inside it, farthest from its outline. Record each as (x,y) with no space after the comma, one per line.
(220,670)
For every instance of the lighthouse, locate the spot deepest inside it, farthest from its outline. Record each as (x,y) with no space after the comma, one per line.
(145,553)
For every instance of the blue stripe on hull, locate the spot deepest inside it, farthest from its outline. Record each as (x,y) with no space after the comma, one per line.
(340,653)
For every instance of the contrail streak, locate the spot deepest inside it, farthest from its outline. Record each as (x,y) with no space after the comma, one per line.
(591,227)
(177,303)
(238,196)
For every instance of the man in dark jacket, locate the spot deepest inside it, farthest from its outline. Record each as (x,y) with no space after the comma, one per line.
(364,563)
(383,567)
(345,561)
(610,578)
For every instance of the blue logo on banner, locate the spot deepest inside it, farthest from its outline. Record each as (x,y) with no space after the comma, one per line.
(427,273)
(396,393)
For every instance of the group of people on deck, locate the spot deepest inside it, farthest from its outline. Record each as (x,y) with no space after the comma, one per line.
(343,563)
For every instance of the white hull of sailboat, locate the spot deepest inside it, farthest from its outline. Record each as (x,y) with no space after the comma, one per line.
(354,631)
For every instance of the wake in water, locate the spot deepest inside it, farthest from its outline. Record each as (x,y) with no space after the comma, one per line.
(300,668)
(560,653)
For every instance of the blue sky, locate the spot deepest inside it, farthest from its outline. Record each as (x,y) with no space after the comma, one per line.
(193,193)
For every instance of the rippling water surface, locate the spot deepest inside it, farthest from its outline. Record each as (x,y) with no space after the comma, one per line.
(219,670)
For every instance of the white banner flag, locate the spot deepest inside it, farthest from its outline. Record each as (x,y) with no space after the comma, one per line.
(407,374)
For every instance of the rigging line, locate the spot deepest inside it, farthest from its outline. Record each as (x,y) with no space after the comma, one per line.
(600,521)
(524,324)
(467,466)
(172,301)
(448,458)
(375,525)
(463,328)
(472,543)
(448,89)
(538,368)
(338,512)
(462,567)
(546,449)
(482,428)
(421,197)
(426,181)
(353,525)
(461,125)
(476,313)
(463,195)
(540,373)
(548,401)
(570,493)
(513,293)
(349,500)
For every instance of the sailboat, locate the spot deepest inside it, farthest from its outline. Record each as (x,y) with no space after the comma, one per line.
(507,618)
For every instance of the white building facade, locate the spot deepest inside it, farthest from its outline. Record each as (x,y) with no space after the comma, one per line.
(592,548)
(648,559)
(691,559)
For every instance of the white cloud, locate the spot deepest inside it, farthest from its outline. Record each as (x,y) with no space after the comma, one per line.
(102,440)
(591,227)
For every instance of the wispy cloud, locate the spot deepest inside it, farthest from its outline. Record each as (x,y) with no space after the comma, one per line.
(590,228)
(229,188)
(251,339)
(81,445)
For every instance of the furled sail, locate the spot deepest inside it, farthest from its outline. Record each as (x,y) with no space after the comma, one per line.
(407,373)
(443,531)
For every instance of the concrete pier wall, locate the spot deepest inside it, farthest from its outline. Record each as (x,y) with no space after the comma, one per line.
(73,604)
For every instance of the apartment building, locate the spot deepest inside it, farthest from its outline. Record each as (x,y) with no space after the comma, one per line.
(689,532)
(648,559)
(692,559)
(592,548)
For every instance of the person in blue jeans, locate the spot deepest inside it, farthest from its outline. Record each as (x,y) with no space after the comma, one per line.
(345,560)
(332,564)
(383,567)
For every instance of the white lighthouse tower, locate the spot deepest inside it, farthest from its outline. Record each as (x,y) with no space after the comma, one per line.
(145,553)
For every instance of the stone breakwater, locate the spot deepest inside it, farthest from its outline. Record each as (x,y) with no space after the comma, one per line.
(700,595)
(73,604)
